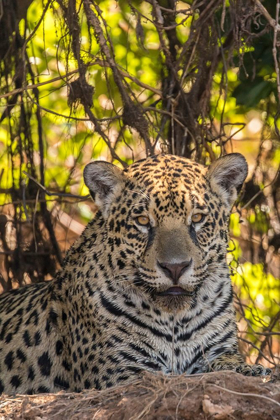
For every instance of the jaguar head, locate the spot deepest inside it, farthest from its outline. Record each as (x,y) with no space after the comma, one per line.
(166,221)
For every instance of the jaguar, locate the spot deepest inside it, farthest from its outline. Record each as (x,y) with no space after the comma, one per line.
(146,287)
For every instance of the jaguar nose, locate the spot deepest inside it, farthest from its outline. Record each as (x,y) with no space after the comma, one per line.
(174,271)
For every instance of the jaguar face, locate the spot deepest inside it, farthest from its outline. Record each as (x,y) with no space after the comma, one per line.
(166,223)
(170,256)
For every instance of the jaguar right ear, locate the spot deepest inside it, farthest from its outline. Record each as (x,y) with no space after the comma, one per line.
(226,176)
(103,180)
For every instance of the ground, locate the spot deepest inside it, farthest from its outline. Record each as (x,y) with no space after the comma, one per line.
(217,395)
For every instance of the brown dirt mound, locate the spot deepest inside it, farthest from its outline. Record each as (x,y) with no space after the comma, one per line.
(220,396)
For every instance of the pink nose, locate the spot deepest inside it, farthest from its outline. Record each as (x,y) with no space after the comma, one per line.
(174,271)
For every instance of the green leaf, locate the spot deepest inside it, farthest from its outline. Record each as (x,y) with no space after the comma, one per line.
(251,93)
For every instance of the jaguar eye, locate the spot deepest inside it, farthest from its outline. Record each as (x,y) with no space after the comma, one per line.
(198,217)
(143,220)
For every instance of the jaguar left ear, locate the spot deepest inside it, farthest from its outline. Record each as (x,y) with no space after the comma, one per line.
(226,176)
(103,179)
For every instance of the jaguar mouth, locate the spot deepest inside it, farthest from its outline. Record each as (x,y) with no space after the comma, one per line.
(176,291)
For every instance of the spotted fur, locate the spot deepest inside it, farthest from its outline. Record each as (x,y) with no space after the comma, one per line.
(145,287)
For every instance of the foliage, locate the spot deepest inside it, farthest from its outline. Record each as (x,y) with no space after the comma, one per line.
(122,80)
